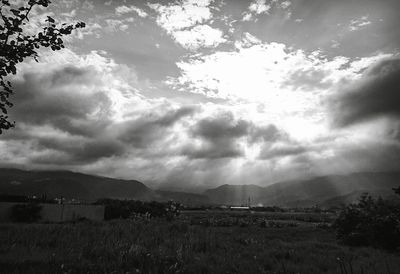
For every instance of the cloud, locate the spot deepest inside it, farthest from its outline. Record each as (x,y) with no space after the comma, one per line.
(114,25)
(349,156)
(255,71)
(285,4)
(247,16)
(269,133)
(291,85)
(150,127)
(376,94)
(122,10)
(308,79)
(186,14)
(199,36)
(257,115)
(256,7)
(259,6)
(281,150)
(358,23)
(266,72)
(86,113)
(89,117)
(53,98)
(185,22)
(223,127)
(77,151)
(65,109)
(217,137)
(225,135)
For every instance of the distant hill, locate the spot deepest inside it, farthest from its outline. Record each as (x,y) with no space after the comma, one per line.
(70,185)
(325,190)
(235,194)
(85,187)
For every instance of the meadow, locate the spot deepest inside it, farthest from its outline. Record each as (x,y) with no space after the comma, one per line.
(195,242)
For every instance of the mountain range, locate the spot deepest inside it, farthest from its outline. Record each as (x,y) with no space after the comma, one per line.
(325,191)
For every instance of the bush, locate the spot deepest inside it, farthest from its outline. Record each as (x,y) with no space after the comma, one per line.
(370,222)
(124,209)
(26,213)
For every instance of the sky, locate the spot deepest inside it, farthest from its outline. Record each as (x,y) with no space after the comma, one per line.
(188,95)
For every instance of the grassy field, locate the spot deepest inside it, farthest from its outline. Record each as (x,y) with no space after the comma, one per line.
(194,243)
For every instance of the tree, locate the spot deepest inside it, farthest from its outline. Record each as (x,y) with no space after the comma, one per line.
(16,44)
(370,222)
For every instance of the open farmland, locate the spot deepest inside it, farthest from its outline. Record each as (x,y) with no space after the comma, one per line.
(251,218)
(196,242)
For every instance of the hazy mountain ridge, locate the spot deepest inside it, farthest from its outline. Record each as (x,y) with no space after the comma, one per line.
(318,190)
(325,190)
(234,194)
(85,187)
(183,197)
(70,185)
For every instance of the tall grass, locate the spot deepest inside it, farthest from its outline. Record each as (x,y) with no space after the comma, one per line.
(157,246)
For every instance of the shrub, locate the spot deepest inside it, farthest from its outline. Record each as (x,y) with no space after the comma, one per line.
(26,213)
(124,209)
(370,222)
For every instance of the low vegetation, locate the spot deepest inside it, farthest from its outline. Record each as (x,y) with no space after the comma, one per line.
(124,209)
(26,213)
(370,222)
(136,238)
(191,243)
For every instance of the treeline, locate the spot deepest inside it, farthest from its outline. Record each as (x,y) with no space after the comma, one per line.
(26,199)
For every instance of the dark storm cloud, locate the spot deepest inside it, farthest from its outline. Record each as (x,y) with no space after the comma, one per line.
(81,151)
(150,126)
(67,119)
(216,150)
(218,137)
(82,127)
(224,136)
(376,157)
(223,127)
(366,156)
(268,133)
(281,151)
(377,94)
(54,98)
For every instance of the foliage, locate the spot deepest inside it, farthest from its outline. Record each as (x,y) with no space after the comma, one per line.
(124,209)
(26,213)
(370,222)
(16,44)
